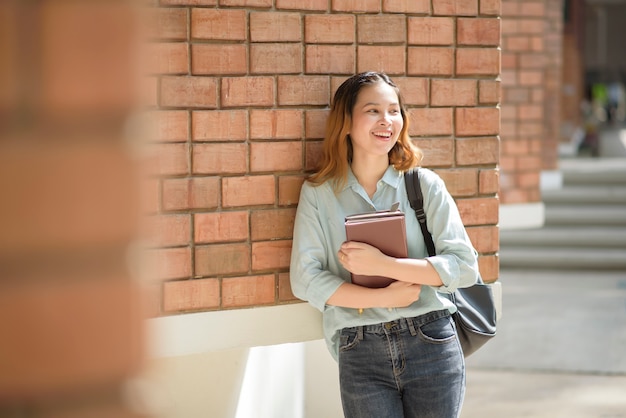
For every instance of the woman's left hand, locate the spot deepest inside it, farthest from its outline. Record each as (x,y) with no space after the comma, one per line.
(361,258)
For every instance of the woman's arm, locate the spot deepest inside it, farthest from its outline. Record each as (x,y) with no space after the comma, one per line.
(396,295)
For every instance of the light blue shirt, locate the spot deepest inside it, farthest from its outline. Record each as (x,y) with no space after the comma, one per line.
(319,231)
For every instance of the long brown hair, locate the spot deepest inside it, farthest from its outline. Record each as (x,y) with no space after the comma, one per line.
(337,147)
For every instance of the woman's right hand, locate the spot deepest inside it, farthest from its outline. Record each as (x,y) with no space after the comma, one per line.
(400,294)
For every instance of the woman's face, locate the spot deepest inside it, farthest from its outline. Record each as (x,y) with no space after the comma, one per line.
(376,121)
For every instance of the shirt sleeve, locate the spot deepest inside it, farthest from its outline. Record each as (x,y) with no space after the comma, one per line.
(309,273)
(456,260)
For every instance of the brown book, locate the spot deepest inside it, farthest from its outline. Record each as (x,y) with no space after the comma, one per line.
(384,230)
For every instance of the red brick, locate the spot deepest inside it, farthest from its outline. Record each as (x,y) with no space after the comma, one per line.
(168,230)
(189,295)
(481,31)
(248,191)
(430,61)
(390,59)
(315,123)
(284,288)
(312,155)
(484,238)
(248,91)
(275,124)
(246,3)
(460,182)
(289,189)
(479,211)
(530,112)
(218,24)
(490,7)
(275,156)
(488,181)
(188,92)
(438,152)
(218,59)
(168,126)
(455,7)
(222,158)
(302,4)
(190,193)
(239,292)
(220,227)
(219,125)
(219,259)
(489,92)
(488,265)
(275,27)
(414,90)
(167,58)
(270,255)
(166,23)
(530,78)
(381,29)
(169,159)
(275,58)
(189,2)
(272,224)
(329,29)
(534,9)
(406,6)
(430,121)
(65,337)
(517,43)
(472,151)
(478,121)
(303,90)
(453,92)
(167,263)
(431,31)
(330,59)
(477,61)
(355,6)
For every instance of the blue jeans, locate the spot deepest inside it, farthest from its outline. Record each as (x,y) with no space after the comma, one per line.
(406,368)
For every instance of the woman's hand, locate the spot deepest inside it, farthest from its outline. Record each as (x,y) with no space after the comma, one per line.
(400,294)
(361,258)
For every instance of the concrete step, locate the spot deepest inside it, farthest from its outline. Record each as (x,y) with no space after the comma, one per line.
(577,215)
(605,195)
(563,258)
(593,171)
(566,237)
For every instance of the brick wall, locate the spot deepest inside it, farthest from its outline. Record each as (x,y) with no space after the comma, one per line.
(239,92)
(531,62)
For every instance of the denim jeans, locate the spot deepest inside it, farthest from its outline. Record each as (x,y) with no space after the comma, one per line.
(406,368)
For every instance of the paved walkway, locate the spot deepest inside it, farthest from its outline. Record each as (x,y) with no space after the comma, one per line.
(560,349)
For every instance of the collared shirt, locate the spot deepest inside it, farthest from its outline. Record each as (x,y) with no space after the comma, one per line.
(319,231)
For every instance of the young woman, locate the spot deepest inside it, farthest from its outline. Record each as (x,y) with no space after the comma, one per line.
(396,346)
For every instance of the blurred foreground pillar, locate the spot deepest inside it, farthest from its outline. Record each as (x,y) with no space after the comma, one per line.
(70,317)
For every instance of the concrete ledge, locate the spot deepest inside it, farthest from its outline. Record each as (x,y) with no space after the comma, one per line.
(522,216)
(239,328)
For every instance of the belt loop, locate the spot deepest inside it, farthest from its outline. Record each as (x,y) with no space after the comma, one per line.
(359,333)
(411,326)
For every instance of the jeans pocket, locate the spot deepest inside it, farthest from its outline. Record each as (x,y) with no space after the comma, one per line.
(438,331)
(348,339)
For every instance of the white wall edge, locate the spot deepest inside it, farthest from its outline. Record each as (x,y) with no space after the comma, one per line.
(551,180)
(194,333)
(522,216)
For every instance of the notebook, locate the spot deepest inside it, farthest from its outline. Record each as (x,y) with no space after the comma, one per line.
(384,230)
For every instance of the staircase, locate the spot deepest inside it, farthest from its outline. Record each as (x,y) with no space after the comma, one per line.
(585,222)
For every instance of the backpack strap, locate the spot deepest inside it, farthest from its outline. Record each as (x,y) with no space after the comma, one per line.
(416,199)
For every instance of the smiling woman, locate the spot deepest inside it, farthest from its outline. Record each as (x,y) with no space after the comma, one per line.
(385,340)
